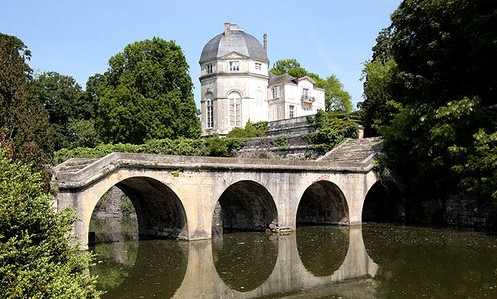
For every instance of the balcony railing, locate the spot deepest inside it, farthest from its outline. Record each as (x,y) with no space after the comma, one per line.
(307,98)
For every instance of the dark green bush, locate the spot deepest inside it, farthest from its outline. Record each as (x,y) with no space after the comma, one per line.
(37,259)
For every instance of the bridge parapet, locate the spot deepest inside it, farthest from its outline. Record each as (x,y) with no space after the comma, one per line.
(102,167)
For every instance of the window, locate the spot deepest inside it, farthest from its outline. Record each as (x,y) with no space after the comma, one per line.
(209,68)
(305,93)
(210,111)
(258,66)
(235,111)
(275,92)
(234,66)
(291,111)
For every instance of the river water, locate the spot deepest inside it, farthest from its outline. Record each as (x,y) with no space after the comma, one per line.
(372,261)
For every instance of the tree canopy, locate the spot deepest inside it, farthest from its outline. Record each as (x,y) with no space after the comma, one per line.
(146,93)
(431,91)
(67,107)
(24,131)
(336,98)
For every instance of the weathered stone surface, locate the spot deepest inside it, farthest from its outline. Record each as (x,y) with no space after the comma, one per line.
(176,196)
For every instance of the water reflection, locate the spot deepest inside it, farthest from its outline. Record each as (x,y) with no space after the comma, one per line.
(240,265)
(406,262)
(152,268)
(422,262)
(322,249)
(245,260)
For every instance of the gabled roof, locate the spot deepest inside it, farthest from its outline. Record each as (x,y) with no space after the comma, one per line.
(281,79)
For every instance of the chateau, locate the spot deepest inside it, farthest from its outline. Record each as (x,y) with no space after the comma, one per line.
(236,85)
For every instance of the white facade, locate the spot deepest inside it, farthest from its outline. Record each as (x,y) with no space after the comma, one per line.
(236,86)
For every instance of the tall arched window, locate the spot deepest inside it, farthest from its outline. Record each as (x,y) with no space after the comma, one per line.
(210,110)
(235,111)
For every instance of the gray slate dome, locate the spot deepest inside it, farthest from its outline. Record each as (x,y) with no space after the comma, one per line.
(237,41)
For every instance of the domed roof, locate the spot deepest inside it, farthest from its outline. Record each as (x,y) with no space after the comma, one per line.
(235,41)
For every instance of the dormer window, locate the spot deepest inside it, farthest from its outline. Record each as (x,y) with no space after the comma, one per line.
(234,66)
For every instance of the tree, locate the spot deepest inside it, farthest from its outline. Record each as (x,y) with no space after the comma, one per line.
(336,98)
(63,98)
(146,94)
(379,106)
(436,63)
(445,50)
(36,257)
(288,66)
(24,132)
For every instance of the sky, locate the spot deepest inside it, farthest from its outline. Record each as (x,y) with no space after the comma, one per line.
(77,38)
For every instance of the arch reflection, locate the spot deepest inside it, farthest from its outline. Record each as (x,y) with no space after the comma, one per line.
(244,260)
(322,249)
(157,269)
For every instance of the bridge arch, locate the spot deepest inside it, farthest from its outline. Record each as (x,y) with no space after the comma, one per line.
(382,203)
(245,205)
(323,202)
(160,212)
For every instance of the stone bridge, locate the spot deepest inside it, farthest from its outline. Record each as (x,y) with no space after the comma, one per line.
(191,198)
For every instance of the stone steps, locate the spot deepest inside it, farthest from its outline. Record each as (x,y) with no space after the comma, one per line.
(354,150)
(76,164)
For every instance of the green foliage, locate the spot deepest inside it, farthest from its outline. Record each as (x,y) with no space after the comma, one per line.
(146,94)
(258,129)
(64,100)
(288,66)
(281,142)
(331,129)
(379,106)
(479,171)
(211,146)
(336,98)
(24,132)
(430,90)
(37,259)
(445,50)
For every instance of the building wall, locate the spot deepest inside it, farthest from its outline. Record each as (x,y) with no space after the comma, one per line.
(248,81)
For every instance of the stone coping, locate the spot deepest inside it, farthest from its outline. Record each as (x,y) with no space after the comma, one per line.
(114,161)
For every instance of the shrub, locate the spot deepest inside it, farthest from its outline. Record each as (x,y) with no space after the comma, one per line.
(37,259)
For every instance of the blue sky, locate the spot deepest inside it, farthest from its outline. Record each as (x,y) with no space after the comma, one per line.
(77,38)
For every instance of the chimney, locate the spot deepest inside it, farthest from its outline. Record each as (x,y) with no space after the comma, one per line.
(265,42)
(227,29)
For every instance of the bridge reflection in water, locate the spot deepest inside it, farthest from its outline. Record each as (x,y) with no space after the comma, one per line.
(238,265)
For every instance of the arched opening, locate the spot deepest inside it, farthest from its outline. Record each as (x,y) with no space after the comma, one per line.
(383,204)
(322,249)
(244,206)
(244,261)
(235,109)
(209,107)
(323,203)
(159,212)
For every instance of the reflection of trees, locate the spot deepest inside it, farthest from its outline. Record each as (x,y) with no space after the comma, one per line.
(322,250)
(437,263)
(158,271)
(115,262)
(245,260)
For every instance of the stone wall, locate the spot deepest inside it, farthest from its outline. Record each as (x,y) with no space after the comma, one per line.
(459,210)
(290,126)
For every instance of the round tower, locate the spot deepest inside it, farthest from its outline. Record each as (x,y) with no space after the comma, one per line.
(234,81)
